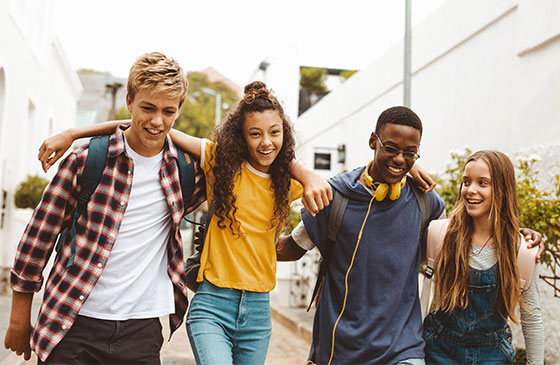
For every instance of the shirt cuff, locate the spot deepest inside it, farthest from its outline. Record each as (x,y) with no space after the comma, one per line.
(301,237)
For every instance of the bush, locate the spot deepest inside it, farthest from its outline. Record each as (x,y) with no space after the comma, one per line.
(29,192)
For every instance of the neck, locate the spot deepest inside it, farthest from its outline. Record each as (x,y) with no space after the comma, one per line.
(482,227)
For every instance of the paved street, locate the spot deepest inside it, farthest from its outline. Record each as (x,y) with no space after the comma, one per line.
(285,346)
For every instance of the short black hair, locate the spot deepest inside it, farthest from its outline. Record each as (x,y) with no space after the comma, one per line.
(398,115)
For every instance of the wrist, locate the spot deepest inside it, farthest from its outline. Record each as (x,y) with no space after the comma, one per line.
(74,133)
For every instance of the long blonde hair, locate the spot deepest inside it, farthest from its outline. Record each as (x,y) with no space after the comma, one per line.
(452,266)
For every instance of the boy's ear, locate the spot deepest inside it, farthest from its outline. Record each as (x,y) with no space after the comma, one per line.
(128,103)
(372,141)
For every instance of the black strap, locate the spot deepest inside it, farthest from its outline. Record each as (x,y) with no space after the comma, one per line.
(88,181)
(186,177)
(338,207)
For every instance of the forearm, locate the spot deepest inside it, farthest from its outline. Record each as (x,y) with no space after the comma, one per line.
(21,309)
(96,129)
(532,323)
(288,250)
(186,142)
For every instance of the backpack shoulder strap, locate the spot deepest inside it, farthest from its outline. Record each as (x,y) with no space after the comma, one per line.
(186,176)
(91,176)
(434,241)
(526,263)
(338,207)
(93,169)
(424,205)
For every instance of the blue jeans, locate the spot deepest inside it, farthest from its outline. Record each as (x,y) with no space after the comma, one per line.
(229,326)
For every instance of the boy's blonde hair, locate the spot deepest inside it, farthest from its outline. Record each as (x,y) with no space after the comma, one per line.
(159,73)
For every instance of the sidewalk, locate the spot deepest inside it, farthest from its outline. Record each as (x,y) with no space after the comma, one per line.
(296,319)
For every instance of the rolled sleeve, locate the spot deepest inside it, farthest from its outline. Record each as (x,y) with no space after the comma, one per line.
(301,237)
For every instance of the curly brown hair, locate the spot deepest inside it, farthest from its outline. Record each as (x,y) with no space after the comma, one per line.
(232,151)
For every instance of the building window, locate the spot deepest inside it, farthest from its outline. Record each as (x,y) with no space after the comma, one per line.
(322,161)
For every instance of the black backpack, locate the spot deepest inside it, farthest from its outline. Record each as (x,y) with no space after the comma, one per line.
(91,175)
(338,207)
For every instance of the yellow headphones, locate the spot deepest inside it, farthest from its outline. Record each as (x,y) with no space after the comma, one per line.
(380,190)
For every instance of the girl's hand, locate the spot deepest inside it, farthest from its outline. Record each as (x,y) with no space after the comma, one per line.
(424,179)
(317,193)
(54,147)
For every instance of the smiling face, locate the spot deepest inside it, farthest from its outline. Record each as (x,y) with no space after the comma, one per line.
(263,133)
(476,189)
(153,116)
(389,168)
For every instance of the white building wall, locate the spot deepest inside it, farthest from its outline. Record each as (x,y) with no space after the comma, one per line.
(485,74)
(471,85)
(39,92)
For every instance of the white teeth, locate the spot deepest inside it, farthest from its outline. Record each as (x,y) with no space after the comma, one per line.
(153,131)
(472,201)
(266,152)
(393,169)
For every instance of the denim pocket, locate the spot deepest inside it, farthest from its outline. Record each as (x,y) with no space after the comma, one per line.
(506,345)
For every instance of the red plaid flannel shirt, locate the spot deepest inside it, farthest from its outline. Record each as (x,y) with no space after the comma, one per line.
(68,288)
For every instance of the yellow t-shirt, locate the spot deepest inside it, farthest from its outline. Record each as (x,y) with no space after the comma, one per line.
(246,261)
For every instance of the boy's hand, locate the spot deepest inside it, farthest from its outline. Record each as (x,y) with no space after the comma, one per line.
(17,339)
(54,147)
(317,193)
(533,239)
(424,179)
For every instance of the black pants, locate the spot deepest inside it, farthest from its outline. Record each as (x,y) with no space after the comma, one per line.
(98,341)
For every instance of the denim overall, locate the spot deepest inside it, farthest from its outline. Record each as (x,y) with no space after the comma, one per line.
(474,335)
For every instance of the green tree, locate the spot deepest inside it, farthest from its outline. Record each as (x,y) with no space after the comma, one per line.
(197,116)
(29,192)
(122,113)
(313,80)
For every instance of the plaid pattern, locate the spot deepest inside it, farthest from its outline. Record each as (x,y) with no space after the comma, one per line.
(96,230)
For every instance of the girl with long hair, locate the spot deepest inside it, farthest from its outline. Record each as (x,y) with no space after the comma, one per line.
(476,276)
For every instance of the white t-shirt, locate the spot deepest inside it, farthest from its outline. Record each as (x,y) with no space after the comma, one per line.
(135,283)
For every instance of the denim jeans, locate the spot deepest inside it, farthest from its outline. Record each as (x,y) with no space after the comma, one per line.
(476,334)
(229,326)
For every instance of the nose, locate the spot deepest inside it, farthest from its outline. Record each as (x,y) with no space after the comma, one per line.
(157,119)
(266,141)
(399,158)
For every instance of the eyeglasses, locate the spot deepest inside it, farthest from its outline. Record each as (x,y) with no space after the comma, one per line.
(409,155)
